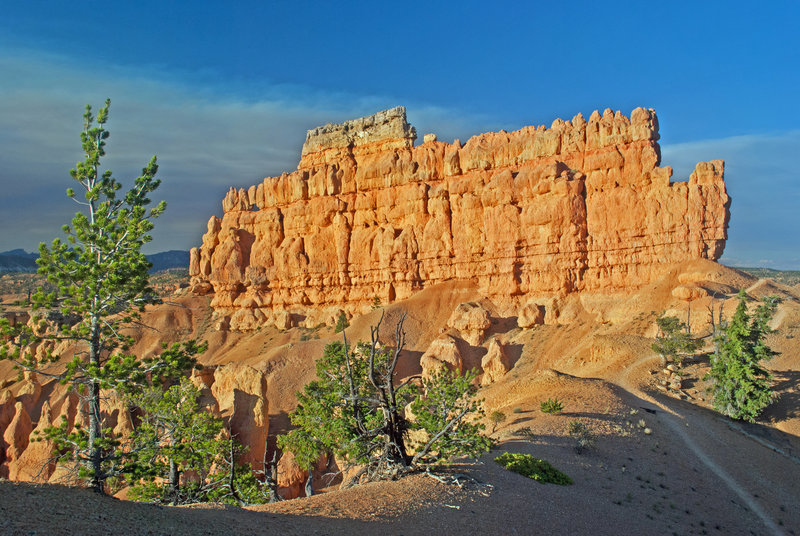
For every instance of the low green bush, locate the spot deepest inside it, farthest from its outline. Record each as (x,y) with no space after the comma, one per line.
(496,417)
(539,470)
(551,406)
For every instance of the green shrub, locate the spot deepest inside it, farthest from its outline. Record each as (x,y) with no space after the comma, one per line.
(496,417)
(551,406)
(539,470)
(674,342)
(341,323)
(516,410)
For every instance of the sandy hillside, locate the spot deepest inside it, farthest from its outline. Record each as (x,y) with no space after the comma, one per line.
(695,472)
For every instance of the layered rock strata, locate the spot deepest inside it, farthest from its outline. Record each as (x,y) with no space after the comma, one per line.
(581,206)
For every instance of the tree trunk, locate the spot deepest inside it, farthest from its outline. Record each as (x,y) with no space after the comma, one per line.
(232,472)
(174,481)
(95,453)
(271,477)
(95,424)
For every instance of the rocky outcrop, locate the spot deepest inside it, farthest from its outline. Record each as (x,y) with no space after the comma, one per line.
(241,395)
(495,363)
(31,464)
(442,353)
(16,437)
(382,131)
(237,393)
(291,478)
(531,314)
(471,320)
(581,206)
(689,292)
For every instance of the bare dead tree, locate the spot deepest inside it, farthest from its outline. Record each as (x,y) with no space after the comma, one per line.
(271,478)
(395,425)
(689,319)
(269,472)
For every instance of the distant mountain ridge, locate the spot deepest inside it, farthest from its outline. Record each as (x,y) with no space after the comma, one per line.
(18,260)
(174,258)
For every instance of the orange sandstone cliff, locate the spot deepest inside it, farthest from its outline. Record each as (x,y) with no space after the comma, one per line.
(583,206)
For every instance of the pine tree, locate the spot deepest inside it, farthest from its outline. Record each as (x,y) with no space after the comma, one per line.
(355,411)
(673,341)
(741,386)
(101,286)
(175,435)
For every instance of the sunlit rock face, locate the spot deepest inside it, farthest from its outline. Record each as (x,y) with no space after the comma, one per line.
(583,206)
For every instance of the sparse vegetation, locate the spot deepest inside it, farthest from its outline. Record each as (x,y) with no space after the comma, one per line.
(552,406)
(496,417)
(673,342)
(308,334)
(582,434)
(741,386)
(539,470)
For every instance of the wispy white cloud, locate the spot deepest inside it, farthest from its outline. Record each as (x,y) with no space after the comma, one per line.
(210,135)
(207,138)
(761,178)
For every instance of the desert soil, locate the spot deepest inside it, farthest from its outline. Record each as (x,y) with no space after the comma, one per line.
(662,463)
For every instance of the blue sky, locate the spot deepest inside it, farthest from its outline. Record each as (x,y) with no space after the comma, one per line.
(224,92)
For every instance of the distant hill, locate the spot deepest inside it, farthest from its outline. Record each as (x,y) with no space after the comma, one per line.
(175,258)
(787,277)
(18,260)
(19,253)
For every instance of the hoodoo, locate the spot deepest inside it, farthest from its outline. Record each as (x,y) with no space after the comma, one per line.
(583,206)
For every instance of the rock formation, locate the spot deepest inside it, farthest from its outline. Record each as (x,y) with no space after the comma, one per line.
(237,393)
(241,395)
(443,352)
(495,363)
(471,320)
(581,206)
(531,314)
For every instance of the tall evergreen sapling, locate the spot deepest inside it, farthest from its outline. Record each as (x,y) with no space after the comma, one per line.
(101,281)
(741,386)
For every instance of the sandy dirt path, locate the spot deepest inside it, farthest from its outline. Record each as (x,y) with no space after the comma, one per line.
(686,426)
